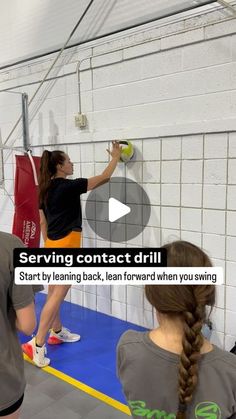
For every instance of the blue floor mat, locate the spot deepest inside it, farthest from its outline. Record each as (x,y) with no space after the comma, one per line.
(91,361)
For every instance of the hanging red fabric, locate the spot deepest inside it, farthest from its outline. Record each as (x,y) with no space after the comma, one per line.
(26,218)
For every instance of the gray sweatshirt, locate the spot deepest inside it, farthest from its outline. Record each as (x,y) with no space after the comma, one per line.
(12,297)
(149,377)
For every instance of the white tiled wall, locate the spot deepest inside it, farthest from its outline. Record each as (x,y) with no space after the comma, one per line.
(176,101)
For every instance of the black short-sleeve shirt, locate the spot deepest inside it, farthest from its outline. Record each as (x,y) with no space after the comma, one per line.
(63,208)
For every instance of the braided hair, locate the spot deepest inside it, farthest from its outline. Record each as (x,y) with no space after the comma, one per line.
(48,169)
(188,302)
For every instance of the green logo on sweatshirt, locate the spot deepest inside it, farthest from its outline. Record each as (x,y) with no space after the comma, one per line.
(207,410)
(138,408)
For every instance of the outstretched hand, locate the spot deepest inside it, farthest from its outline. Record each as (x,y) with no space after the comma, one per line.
(115,152)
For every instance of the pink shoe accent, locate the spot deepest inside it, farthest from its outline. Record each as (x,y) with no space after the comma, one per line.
(53,340)
(27,349)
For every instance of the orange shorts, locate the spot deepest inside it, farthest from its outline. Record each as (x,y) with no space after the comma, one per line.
(72,240)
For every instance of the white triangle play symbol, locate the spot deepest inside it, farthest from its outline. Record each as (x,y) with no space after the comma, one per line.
(117,210)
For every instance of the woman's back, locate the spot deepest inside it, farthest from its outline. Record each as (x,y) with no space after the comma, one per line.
(172,371)
(149,375)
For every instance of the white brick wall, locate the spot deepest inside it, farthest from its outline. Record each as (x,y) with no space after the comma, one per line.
(175,96)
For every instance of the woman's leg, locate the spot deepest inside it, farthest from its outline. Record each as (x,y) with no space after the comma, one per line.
(50,311)
(50,316)
(35,348)
(72,240)
(58,333)
(57,324)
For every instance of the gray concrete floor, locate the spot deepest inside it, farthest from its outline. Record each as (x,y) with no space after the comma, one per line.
(47,397)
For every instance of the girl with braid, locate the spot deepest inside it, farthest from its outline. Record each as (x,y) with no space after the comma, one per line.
(173,372)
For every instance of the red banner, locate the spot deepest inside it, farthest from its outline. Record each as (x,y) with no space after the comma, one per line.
(26,218)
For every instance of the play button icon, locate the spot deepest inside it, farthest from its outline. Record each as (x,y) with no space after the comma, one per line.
(117,210)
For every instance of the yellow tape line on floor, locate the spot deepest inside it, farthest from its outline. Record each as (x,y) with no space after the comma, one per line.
(83,387)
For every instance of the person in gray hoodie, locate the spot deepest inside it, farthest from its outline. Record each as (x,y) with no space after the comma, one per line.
(17,312)
(173,372)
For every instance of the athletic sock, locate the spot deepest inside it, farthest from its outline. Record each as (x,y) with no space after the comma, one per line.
(57,331)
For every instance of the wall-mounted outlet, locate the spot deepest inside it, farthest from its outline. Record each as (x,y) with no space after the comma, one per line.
(80,120)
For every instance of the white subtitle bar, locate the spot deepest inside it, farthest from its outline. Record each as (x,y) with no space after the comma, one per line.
(119,275)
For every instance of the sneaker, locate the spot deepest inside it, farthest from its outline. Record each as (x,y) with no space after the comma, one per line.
(36,354)
(63,336)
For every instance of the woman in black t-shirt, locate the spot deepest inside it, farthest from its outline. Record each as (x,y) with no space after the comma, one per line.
(61,226)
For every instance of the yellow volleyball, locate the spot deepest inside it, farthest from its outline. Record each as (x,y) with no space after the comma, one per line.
(127,151)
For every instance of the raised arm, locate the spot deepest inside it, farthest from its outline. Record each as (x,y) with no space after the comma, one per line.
(96,181)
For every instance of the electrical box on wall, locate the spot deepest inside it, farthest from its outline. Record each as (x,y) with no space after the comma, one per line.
(80,120)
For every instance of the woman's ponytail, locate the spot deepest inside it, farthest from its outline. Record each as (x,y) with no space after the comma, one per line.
(188,366)
(48,169)
(44,177)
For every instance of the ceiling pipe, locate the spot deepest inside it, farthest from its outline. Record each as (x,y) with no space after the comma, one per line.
(117,31)
(229,6)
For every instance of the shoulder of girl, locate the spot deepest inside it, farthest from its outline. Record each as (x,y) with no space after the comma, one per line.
(226,357)
(130,336)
